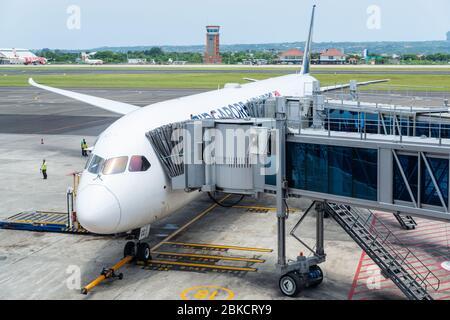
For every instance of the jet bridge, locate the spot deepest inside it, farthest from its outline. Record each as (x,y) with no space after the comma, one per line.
(344,155)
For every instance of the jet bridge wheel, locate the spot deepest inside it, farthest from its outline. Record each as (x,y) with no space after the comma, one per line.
(291,284)
(315,276)
(143,252)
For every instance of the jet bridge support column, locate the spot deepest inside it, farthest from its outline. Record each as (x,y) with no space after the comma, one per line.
(320,249)
(281,186)
(303,272)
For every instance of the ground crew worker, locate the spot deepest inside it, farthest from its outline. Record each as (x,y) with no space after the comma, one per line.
(44,169)
(84,147)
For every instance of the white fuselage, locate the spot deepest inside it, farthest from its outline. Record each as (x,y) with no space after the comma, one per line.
(109,204)
(85,58)
(93,61)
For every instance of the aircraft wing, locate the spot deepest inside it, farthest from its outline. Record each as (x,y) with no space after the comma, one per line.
(343,86)
(106,104)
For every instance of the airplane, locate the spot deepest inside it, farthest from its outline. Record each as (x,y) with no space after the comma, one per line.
(123,187)
(85,58)
(26,59)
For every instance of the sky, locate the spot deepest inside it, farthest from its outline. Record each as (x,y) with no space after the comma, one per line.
(83,24)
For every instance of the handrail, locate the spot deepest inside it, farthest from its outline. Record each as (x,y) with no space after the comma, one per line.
(407,256)
(390,242)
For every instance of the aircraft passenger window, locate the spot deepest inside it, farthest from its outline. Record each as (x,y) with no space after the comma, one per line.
(96,164)
(115,165)
(139,164)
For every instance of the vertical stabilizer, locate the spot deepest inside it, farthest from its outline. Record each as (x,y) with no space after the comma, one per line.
(307,54)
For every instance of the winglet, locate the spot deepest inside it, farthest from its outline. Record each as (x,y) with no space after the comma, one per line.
(307,53)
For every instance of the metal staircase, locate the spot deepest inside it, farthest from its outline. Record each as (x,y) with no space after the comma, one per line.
(406,222)
(396,262)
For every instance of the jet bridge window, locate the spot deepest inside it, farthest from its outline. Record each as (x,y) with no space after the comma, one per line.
(115,165)
(139,164)
(96,164)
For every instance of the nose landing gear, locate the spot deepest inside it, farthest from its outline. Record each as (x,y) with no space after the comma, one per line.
(143,252)
(140,251)
(130,249)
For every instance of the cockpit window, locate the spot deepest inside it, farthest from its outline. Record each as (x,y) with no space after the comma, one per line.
(88,161)
(139,164)
(96,164)
(115,165)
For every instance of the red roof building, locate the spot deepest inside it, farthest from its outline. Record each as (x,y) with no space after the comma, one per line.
(292,56)
(332,56)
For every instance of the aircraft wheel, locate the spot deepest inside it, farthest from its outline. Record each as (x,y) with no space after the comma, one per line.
(143,252)
(290,284)
(130,249)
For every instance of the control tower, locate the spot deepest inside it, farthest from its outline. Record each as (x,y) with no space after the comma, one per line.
(212,52)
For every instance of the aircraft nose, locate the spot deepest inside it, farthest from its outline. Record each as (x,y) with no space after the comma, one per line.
(98,209)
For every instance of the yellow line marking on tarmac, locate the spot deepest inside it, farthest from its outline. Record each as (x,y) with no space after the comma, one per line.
(187,225)
(198,265)
(206,293)
(38,222)
(200,245)
(291,210)
(192,255)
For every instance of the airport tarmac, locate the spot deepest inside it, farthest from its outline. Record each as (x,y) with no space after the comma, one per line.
(34,111)
(46,265)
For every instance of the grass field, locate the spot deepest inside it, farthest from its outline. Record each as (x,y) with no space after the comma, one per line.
(210,80)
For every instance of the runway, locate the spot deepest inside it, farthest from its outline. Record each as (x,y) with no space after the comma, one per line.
(278,71)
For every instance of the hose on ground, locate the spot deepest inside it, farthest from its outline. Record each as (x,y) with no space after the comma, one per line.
(225,205)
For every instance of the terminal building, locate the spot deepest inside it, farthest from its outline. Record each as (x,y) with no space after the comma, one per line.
(212,52)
